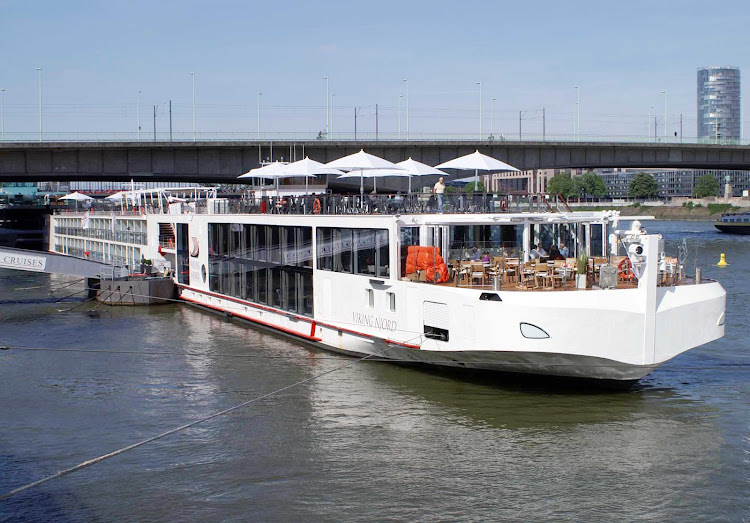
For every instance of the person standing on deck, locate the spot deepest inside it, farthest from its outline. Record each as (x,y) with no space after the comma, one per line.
(439,189)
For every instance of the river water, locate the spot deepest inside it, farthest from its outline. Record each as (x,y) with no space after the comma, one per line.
(369,441)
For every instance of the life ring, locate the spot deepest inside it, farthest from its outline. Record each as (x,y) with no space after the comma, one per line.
(316,206)
(625,269)
(503,205)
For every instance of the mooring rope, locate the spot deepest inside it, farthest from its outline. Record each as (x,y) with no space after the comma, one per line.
(117,452)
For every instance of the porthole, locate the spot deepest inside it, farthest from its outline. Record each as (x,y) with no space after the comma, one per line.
(203,273)
(533,332)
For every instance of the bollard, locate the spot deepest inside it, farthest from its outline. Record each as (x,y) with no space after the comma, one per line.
(496,283)
(698,276)
(722,261)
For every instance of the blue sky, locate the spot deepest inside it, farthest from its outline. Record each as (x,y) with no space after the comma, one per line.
(96,55)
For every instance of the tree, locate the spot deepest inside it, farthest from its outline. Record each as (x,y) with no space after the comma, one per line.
(561,183)
(470,187)
(644,186)
(706,186)
(590,184)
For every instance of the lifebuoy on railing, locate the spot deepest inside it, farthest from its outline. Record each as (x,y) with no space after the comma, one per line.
(316,206)
(625,269)
(503,205)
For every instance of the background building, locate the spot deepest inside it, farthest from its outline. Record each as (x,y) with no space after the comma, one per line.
(719,104)
(673,182)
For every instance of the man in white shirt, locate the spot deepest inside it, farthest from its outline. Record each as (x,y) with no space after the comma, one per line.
(563,250)
(534,253)
(439,189)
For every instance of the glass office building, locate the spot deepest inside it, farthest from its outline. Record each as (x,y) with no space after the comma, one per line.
(719,104)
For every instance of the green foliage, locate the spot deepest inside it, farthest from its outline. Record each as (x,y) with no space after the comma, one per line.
(470,187)
(718,208)
(589,184)
(698,205)
(689,204)
(705,186)
(562,183)
(450,189)
(636,204)
(582,262)
(643,186)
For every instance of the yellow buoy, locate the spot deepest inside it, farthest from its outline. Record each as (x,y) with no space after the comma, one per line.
(722,261)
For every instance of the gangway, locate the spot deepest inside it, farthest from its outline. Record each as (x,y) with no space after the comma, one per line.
(54,263)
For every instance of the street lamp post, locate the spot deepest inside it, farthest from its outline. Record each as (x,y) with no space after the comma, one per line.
(332,95)
(328,108)
(40,102)
(578,113)
(406,81)
(665,114)
(138,112)
(259,95)
(492,115)
(2,116)
(193,75)
(480,110)
(648,123)
(399,115)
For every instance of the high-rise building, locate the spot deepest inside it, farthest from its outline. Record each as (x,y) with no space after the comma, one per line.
(719,104)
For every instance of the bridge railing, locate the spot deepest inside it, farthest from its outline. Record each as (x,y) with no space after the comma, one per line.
(265,138)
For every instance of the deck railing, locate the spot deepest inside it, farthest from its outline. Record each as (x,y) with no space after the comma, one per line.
(138,238)
(339,204)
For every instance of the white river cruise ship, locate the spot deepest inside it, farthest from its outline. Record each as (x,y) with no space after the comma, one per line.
(479,286)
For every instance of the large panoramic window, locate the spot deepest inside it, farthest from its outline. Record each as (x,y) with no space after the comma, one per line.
(265,264)
(354,251)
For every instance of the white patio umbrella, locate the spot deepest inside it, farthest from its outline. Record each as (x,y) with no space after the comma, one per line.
(119,196)
(77,197)
(374,174)
(476,161)
(360,163)
(414,168)
(273,171)
(309,168)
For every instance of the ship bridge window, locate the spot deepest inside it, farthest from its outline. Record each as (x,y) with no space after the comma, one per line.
(353,251)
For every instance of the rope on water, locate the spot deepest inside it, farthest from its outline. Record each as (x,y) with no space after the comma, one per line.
(117,452)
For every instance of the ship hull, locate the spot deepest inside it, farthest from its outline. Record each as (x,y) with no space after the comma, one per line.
(733,228)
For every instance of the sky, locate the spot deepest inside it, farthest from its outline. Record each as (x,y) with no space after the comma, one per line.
(529,56)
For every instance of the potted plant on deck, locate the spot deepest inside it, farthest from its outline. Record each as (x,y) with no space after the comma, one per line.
(146,266)
(582,263)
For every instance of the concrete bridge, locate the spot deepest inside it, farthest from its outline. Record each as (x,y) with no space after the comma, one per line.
(222,162)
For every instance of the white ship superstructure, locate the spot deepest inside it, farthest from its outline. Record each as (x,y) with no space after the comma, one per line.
(367,279)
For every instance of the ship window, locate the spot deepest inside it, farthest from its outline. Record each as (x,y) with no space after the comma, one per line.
(239,257)
(325,247)
(364,247)
(183,256)
(383,253)
(342,250)
(533,332)
(391,301)
(357,251)
(370,294)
